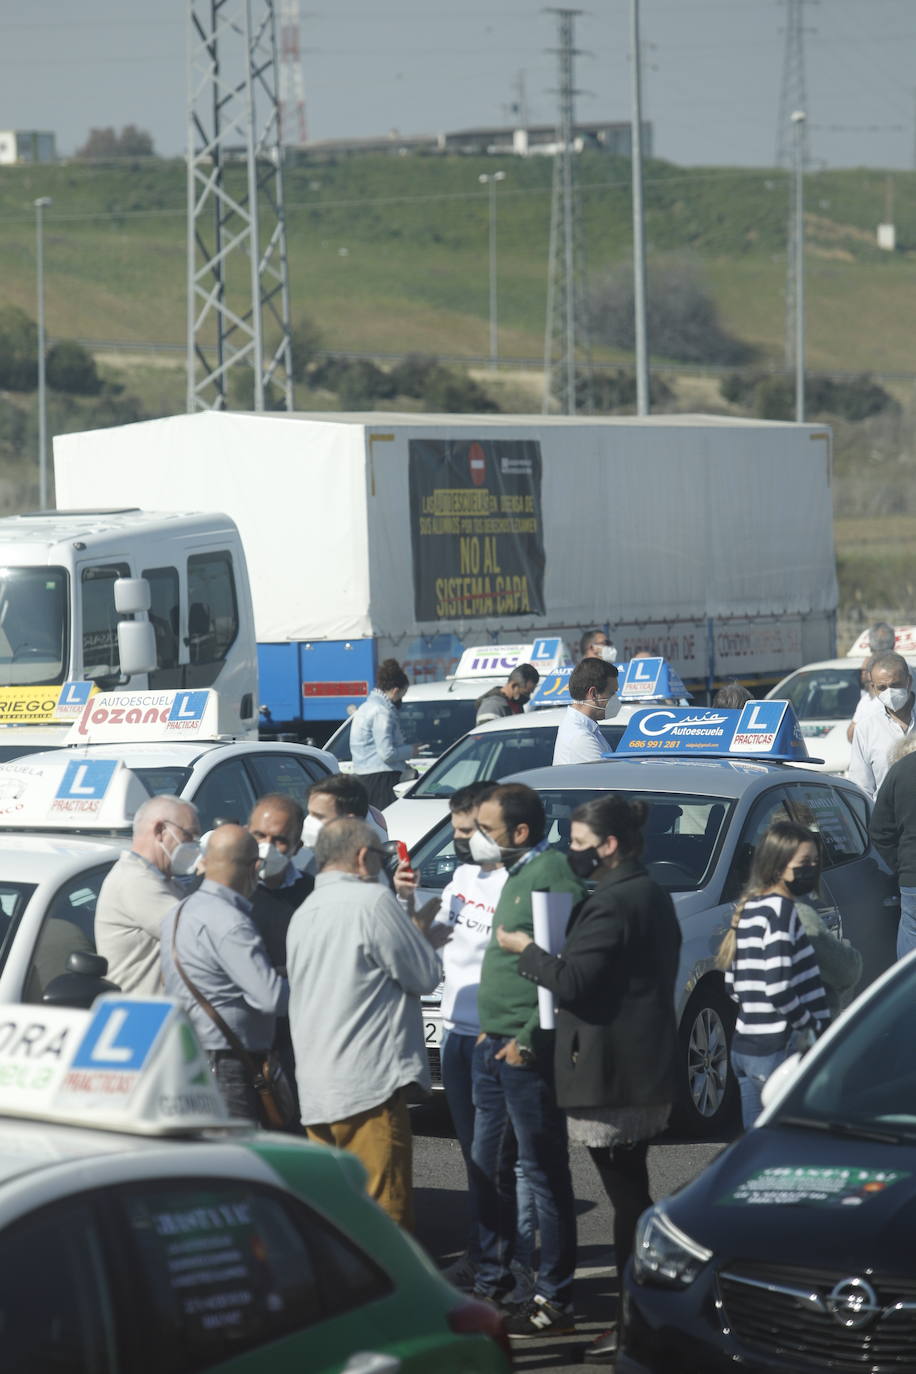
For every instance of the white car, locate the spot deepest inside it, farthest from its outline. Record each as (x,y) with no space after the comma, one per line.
(824,697)
(491,751)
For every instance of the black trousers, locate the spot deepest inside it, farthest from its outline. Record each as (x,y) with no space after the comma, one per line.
(624,1175)
(380,787)
(232,1081)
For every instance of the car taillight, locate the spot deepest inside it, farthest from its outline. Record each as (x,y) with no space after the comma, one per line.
(480,1319)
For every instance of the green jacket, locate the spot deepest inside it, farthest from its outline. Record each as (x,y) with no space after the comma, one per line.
(507,1002)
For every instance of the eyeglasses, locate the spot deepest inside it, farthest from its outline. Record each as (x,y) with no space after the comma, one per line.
(190,836)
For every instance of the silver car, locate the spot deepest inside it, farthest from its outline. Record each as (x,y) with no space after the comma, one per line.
(705,817)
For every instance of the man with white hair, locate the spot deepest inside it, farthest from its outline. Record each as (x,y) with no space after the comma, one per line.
(144,884)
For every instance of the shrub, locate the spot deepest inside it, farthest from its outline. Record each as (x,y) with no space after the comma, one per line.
(18,350)
(71,368)
(457,394)
(682,320)
(306,342)
(414,374)
(617,391)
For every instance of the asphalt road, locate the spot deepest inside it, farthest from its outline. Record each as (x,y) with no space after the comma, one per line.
(442,1220)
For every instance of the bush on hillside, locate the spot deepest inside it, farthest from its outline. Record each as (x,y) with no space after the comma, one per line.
(18,350)
(414,374)
(71,368)
(306,342)
(617,391)
(771,396)
(454,393)
(106,143)
(682,320)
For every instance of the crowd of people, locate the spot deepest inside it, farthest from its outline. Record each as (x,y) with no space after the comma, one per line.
(321,966)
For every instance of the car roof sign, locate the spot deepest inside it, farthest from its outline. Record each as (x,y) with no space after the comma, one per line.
(498,660)
(761,730)
(132,1065)
(69,793)
(553,689)
(159,716)
(651,679)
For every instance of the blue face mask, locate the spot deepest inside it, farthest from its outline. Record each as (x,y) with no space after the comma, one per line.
(186,881)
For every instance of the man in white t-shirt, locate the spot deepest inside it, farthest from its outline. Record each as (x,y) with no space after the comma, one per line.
(592,683)
(466,908)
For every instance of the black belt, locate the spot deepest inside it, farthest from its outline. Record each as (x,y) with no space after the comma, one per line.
(216,1055)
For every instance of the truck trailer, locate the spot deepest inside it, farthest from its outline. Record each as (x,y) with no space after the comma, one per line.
(706,540)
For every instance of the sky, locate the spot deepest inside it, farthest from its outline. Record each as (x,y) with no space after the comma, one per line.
(713,71)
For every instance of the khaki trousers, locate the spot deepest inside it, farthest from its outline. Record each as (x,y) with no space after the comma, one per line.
(381,1139)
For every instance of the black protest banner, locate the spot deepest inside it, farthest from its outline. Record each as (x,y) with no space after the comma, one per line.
(476,527)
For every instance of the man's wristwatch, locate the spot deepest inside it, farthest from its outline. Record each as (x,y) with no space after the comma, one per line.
(526,1055)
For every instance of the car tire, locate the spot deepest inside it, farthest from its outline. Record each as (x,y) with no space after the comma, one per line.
(706,1104)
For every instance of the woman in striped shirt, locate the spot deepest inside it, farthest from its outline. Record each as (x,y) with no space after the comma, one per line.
(770,967)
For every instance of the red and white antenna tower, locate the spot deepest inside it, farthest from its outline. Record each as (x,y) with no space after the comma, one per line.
(292,83)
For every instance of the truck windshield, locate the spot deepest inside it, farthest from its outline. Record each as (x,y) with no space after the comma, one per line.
(34,626)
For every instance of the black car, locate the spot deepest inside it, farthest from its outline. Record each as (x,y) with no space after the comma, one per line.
(794,1250)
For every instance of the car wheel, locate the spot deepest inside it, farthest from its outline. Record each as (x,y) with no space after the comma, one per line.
(707,1097)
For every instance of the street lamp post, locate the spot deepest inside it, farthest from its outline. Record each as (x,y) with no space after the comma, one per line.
(798,121)
(40,204)
(490,179)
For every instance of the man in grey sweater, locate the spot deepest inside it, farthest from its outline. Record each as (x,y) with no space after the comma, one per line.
(357,967)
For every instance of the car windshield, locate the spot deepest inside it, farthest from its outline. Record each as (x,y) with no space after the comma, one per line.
(867,1076)
(823,693)
(14,898)
(680,836)
(33,626)
(437,724)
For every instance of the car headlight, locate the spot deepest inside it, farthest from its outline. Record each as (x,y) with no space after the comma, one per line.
(665,1256)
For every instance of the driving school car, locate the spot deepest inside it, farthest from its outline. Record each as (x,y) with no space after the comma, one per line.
(793,1251)
(500,747)
(141,1230)
(713,782)
(436,714)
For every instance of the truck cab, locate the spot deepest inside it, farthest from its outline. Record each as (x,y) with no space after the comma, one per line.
(115,598)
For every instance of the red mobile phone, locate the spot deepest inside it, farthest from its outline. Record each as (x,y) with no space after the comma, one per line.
(404,857)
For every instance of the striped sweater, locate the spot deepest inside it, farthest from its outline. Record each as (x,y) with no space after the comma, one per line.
(774,978)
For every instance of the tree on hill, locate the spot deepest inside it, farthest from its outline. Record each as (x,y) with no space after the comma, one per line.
(682,320)
(18,350)
(106,143)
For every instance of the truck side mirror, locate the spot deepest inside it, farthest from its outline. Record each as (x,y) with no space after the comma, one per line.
(136,647)
(131,595)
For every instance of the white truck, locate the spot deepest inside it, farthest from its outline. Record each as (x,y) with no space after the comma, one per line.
(705,540)
(114,598)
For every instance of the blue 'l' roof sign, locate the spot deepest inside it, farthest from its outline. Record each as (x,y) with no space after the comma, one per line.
(553,689)
(762,729)
(647,679)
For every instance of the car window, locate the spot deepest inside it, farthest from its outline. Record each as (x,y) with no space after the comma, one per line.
(823,693)
(858,805)
(14,898)
(55,1307)
(772,806)
(169,782)
(68,927)
(224,795)
(229,1266)
(282,773)
(495,754)
(339,744)
(819,808)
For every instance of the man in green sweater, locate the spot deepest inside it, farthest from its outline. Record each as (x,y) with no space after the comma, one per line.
(513,1074)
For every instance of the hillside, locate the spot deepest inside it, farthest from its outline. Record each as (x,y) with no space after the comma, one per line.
(389,254)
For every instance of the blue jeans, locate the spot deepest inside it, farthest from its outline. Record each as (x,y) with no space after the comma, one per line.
(522,1097)
(752,1071)
(906,931)
(457,1058)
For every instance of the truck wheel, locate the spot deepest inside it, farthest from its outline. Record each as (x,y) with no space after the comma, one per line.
(707,1097)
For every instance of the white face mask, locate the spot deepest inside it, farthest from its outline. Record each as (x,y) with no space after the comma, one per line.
(484,849)
(273,862)
(894,698)
(608,652)
(184,859)
(311,829)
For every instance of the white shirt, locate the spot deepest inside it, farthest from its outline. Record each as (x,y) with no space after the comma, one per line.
(468,904)
(866,702)
(579,740)
(877,731)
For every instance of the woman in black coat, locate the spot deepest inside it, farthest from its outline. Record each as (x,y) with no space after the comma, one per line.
(616,1040)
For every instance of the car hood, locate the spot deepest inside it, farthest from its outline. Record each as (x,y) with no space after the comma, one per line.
(837,1203)
(409,820)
